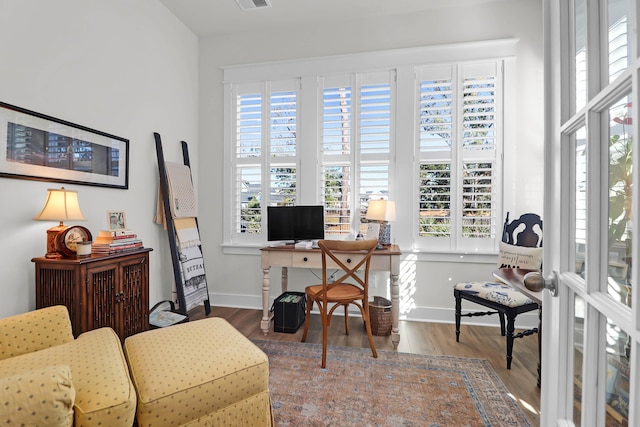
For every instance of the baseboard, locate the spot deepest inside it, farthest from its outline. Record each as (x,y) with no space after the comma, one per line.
(417,314)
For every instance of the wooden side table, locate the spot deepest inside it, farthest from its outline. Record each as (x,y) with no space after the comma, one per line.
(109,290)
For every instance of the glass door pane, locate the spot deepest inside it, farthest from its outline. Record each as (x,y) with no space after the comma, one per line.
(580,200)
(620,196)
(618,37)
(578,352)
(580,65)
(617,377)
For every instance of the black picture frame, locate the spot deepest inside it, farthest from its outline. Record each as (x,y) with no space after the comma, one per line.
(38,147)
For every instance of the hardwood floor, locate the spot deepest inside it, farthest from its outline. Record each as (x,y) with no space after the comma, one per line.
(419,338)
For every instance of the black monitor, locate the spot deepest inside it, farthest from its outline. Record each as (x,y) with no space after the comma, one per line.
(295,223)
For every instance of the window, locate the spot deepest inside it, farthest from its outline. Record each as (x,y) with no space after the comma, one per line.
(265,123)
(329,136)
(356,147)
(458,156)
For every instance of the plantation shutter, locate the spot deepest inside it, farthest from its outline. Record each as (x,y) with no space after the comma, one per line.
(356,145)
(436,151)
(265,157)
(459,140)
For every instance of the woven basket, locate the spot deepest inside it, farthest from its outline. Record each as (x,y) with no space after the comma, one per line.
(380,314)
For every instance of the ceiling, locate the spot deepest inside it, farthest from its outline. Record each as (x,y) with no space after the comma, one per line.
(208,18)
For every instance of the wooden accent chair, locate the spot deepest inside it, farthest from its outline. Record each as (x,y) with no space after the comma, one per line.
(521,247)
(340,293)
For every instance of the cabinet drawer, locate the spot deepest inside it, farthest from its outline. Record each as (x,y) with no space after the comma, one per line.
(314,260)
(277,259)
(306,259)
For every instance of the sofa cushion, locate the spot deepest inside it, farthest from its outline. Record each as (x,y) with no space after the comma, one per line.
(104,392)
(199,372)
(39,397)
(34,330)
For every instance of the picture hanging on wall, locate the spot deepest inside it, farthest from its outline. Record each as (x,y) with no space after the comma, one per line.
(39,147)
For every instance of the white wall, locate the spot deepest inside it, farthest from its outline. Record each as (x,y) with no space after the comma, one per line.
(426,286)
(129,68)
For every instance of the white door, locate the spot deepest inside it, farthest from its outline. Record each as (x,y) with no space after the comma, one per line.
(590,373)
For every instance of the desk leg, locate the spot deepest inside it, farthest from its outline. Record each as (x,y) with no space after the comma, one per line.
(395,309)
(266,320)
(285,279)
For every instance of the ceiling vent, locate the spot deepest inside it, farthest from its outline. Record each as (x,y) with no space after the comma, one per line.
(253,4)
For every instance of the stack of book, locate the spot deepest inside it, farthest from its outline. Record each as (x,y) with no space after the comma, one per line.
(109,242)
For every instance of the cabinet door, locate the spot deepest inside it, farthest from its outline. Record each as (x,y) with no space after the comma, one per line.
(119,295)
(59,284)
(132,299)
(103,291)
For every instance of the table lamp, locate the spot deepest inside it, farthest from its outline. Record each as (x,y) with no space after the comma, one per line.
(382,211)
(61,205)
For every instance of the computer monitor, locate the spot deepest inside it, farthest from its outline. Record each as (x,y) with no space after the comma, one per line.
(295,223)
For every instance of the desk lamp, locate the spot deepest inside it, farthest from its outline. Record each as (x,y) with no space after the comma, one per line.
(61,205)
(382,211)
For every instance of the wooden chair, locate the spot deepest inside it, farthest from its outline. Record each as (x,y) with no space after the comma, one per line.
(340,293)
(500,297)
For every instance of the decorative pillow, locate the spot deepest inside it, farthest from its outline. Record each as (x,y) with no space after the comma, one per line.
(39,397)
(511,256)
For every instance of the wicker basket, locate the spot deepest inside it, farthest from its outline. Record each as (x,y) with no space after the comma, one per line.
(380,314)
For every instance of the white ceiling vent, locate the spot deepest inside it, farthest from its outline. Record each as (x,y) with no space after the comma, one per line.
(253,4)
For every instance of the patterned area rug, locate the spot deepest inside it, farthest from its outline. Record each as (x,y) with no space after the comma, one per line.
(396,389)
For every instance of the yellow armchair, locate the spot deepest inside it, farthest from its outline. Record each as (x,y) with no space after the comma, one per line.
(87,377)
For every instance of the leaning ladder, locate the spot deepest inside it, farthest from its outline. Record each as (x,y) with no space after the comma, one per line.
(171,230)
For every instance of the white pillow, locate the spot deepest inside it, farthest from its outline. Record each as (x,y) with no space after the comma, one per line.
(511,256)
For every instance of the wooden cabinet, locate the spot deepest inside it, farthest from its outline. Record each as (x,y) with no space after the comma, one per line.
(100,290)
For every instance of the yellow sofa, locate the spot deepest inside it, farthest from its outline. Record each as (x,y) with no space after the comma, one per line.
(202,373)
(49,378)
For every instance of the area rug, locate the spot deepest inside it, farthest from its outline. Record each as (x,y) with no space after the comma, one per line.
(396,389)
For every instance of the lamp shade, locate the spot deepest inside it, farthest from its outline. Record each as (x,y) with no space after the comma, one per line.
(61,205)
(381,210)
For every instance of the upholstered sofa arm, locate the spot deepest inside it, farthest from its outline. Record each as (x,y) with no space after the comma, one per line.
(34,330)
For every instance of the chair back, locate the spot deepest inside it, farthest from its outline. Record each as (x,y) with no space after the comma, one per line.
(522,231)
(330,250)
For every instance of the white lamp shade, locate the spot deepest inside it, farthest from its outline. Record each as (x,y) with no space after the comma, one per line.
(381,210)
(61,205)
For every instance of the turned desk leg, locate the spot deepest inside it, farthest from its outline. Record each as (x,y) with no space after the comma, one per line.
(395,310)
(284,279)
(266,320)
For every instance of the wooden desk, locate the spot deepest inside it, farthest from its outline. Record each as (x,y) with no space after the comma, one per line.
(515,278)
(387,259)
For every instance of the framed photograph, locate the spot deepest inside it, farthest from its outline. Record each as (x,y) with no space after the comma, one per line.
(116,221)
(39,147)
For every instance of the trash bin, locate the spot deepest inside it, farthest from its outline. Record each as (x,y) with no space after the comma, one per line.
(380,314)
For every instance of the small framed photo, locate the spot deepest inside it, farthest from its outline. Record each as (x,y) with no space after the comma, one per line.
(116,220)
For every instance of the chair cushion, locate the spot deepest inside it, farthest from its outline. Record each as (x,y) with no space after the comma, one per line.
(511,256)
(496,292)
(198,370)
(39,397)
